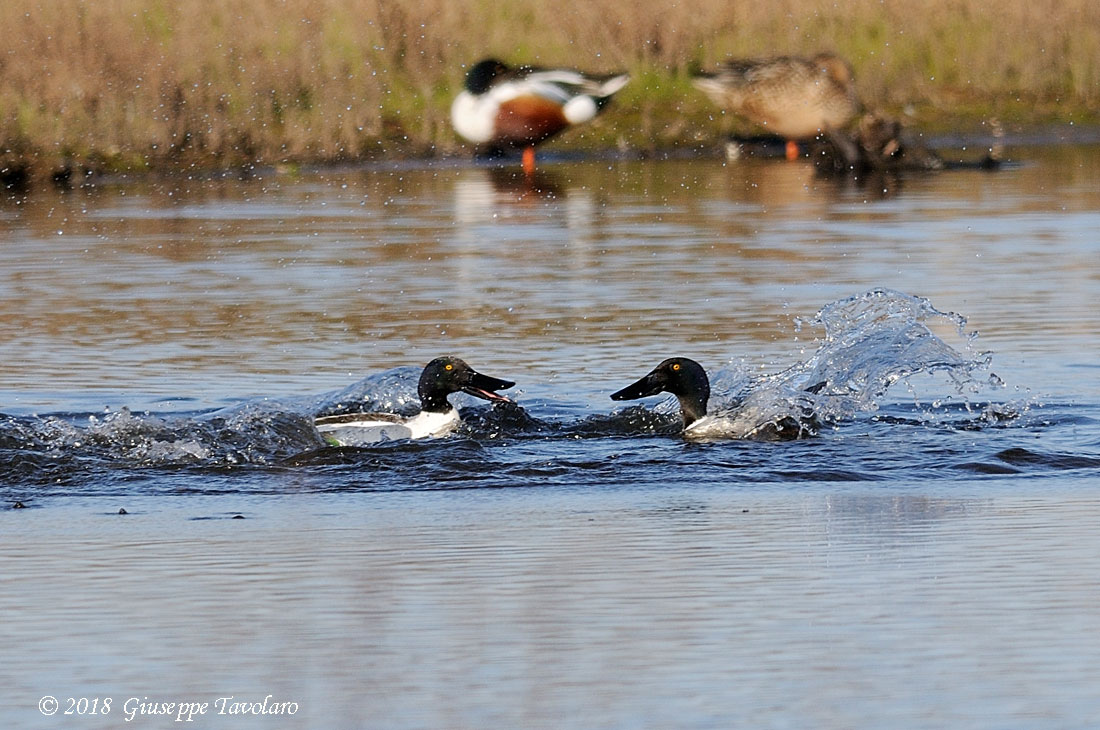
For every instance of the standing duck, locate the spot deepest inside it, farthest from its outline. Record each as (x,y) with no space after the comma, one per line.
(795,98)
(504,107)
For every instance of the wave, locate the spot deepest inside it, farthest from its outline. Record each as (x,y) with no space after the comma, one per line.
(869,343)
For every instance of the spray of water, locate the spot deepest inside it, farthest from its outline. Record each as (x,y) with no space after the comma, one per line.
(870,342)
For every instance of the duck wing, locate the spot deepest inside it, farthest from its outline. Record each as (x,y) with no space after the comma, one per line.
(361,429)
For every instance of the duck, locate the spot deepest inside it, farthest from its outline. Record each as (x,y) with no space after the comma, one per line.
(437,417)
(688,381)
(796,98)
(685,379)
(503,107)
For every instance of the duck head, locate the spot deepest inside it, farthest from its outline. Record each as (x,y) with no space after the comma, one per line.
(682,377)
(482,74)
(446,375)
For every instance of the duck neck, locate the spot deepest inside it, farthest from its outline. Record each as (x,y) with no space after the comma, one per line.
(434,402)
(692,407)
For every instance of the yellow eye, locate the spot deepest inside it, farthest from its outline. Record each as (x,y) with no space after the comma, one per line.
(676,366)
(448,366)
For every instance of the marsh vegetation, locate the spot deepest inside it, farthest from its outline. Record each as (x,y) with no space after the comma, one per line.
(140,84)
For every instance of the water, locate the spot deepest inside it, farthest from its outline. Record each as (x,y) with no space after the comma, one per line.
(922,556)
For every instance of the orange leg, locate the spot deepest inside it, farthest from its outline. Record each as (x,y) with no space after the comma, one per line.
(792,149)
(529,160)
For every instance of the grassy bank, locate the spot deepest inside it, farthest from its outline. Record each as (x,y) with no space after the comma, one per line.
(146,84)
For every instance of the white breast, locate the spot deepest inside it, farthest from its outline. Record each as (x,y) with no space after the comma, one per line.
(426,424)
(709,427)
(473,117)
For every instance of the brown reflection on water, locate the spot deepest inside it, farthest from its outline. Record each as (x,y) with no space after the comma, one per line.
(309,280)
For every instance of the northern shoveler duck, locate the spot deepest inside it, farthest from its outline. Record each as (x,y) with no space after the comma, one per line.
(682,377)
(437,417)
(504,107)
(796,98)
(687,380)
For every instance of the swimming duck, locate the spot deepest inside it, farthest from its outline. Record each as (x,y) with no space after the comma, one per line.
(437,417)
(505,107)
(687,380)
(796,98)
(682,377)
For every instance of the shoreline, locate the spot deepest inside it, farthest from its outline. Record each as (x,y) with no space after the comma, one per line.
(131,86)
(761,146)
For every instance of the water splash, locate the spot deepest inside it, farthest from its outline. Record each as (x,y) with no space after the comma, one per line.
(58,446)
(871,341)
(390,391)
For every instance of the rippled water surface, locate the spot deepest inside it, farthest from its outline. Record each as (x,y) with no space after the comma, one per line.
(897,528)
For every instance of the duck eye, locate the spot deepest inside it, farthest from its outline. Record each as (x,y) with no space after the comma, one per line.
(448,367)
(676,366)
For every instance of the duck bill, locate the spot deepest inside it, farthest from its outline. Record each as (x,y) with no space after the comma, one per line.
(647,386)
(483,386)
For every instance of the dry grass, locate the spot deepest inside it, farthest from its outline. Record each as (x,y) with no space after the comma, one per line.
(153,83)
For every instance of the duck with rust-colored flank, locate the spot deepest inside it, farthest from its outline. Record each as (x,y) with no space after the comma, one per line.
(506,108)
(437,417)
(795,98)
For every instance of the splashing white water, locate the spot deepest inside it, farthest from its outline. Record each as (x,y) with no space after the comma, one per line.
(871,341)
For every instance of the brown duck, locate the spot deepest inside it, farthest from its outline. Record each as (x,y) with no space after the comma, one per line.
(795,98)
